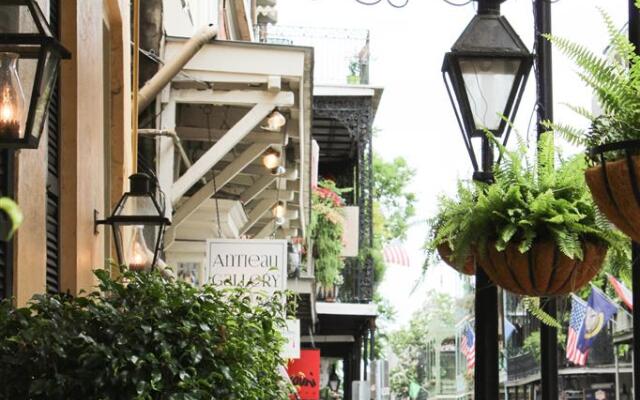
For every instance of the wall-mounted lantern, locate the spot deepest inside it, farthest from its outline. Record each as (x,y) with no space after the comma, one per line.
(137,209)
(29,64)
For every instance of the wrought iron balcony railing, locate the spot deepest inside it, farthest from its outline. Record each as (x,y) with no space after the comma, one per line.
(341,55)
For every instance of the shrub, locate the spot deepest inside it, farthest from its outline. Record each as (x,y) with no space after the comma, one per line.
(143,337)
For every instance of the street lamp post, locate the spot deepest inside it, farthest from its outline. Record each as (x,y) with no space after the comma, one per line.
(485,73)
(634,37)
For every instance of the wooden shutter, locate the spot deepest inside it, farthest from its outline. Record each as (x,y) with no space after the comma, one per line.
(53,173)
(6,248)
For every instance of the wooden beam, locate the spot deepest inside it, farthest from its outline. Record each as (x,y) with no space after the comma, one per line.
(224,177)
(267,230)
(274,83)
(283,195)
(258,211)
(192,133)
(218,150)
(234,97)
(255,189)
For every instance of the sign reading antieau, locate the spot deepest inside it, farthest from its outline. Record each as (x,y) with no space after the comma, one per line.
(261,264)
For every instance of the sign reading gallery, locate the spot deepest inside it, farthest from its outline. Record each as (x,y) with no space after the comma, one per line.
(260,264)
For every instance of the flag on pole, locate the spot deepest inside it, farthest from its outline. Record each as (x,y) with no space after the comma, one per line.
(599,311)
(396,254)
(578,311)
(509,328)
(622,291)
(414,390)
(468,344)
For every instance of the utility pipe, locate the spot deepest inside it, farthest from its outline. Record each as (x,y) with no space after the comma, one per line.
(176,141)
(171,68)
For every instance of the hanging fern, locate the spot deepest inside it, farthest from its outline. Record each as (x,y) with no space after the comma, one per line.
(615,80)
(533,198)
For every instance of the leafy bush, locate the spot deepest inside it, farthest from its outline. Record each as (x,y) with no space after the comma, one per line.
(615,80)
(143,337)
(530,200)
(326,229)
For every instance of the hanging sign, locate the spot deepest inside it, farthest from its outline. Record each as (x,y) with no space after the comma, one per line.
(305,374)
(258,264)
(291,334)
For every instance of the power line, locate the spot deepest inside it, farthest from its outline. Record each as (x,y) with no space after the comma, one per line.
(391,3)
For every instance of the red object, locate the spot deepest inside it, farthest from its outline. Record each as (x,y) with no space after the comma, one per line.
(305,374)
(622,291)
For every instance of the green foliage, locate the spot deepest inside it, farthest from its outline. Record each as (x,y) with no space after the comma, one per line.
(326,229)
(615,81)
(532,305)
(143,337)
(15,217)
(390,191)
(432,323)
(541,199)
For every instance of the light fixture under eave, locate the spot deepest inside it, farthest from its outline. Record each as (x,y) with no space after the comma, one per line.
(275,122)
(138,209)
(272,160)
(279,212)
(29,63)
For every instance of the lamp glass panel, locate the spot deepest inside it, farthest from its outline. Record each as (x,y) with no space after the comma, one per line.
(138,205)
(15,17)
(13,107)
(51,62)
(136,252)
(488,83)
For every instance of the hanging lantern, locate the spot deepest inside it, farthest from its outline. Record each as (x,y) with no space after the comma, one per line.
(275,122)
(137,209)
(29,62)
(334,380)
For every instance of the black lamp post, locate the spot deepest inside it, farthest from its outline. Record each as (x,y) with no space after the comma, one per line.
(29,60)
(136,210)
(485,73)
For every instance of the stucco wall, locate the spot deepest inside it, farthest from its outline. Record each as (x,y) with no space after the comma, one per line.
(91,30)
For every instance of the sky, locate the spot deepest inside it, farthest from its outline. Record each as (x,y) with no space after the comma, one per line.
(415,119)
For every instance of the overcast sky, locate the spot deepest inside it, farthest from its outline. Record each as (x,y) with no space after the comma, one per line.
(415,119)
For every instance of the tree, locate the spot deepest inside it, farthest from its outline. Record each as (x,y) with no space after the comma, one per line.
(390,191)
(415,343)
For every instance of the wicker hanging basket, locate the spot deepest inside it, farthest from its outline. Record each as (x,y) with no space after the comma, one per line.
(615,186)
(543,270)
(445,253)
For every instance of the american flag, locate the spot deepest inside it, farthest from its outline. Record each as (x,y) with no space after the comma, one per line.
(469,347)
(578,310)
(396,255)
(622,291)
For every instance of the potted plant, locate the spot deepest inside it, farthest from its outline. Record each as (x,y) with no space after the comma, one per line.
(10,218)
(446,225)
(613,139)
(326,229)
(535,230)
(354,71)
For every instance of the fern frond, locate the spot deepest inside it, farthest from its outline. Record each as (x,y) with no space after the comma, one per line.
(532,305)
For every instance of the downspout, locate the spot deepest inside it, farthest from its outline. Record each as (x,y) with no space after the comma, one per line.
(151,89)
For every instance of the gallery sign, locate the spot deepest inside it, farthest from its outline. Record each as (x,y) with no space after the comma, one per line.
(262,264)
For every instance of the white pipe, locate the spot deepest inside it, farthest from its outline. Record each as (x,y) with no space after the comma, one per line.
(176,141)
(172,67)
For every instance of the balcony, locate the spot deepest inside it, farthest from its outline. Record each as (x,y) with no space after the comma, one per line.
(341,56)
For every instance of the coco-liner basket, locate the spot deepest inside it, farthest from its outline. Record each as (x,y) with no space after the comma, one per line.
(543,270)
